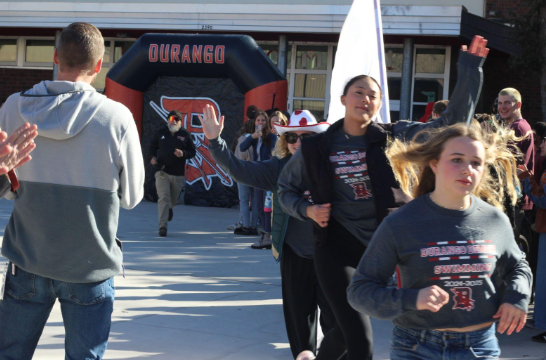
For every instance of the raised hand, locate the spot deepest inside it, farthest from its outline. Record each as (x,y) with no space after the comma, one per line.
(432,298)
(511,318)
(212,128)
(15,149)
(477,47)
(319,214)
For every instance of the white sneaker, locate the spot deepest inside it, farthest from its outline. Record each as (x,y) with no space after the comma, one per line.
(263,243)
(234,226)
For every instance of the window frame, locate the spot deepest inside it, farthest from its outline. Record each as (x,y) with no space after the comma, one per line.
(17,55)
(38,65)
(445,76)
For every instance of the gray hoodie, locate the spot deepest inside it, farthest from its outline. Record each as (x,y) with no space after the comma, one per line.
(87,163)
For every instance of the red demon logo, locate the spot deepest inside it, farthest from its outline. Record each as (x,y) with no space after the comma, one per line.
(463,298)
(361,192)
(202,167)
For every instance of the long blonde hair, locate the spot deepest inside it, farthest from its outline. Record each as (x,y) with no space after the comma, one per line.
(281,147)
(410,162)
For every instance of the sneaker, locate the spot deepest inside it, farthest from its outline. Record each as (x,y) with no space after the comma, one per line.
(306,355)
(234,226)
(263,243)
(242,231)
(253,231)
(541,338)
(171,214)
(163,232)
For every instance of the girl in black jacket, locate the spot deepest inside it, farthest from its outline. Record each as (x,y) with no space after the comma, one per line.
(354,189)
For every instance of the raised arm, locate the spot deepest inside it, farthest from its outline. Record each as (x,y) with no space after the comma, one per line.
(262,175)
(465,95)
(247,143)
(259,174)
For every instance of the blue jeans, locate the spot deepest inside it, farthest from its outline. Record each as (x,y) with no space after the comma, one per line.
(28,299)
(245,194)
(540,287)
(413,344)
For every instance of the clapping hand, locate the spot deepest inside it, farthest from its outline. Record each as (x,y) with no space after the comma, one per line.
(15,149)
(211,126)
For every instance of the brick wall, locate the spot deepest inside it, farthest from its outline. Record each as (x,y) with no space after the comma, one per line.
(503,9)
(16,80)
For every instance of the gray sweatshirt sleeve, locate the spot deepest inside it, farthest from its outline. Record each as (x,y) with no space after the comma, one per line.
(515,272)
(293,182)
(259,174)
(462,102)
(368,291)
(131,165)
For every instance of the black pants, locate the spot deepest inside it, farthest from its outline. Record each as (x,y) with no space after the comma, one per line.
(301,294)
(335,264)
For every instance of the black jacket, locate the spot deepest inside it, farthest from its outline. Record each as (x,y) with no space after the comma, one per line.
(163,146)
(315,151)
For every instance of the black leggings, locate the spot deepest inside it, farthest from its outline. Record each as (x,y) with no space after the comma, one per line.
(301,294)
(335,264)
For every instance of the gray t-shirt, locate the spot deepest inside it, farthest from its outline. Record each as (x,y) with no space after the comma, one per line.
(467,253)
(353,203)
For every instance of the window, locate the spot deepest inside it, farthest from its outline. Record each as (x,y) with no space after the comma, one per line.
(39,52)
(394,55)
(121,47)
(311,72)
(113,51)
(8,51)
(312,57)
(431,77)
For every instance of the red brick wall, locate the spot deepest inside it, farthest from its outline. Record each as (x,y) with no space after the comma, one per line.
(17,80)
(504,9)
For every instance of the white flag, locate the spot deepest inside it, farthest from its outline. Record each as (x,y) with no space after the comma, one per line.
(360,51)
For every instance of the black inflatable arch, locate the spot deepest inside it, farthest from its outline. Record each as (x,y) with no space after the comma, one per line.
(237,57)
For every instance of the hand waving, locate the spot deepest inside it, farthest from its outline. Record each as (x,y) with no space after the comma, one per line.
(211,126)
(477,47)
(15,149)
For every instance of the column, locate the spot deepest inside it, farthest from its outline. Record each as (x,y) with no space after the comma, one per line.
(407,76)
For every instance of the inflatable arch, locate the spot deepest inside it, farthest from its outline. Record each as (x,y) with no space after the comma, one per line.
(237,57)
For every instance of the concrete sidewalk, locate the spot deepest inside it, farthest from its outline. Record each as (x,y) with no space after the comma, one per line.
(201,293)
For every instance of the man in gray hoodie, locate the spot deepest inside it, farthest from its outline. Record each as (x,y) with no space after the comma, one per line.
(61,237)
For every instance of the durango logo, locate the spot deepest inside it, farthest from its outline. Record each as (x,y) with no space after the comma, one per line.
(202,167)
(197,54)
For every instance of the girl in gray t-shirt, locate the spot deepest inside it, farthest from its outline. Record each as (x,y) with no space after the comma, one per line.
(451,250)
